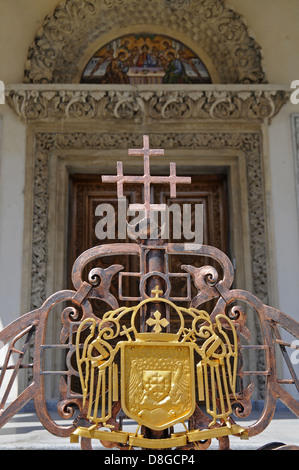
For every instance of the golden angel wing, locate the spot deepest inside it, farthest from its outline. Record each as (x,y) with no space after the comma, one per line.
(97,371)
(217,371)
(82,357)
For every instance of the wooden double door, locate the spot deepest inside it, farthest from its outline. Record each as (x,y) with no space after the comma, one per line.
(87,192)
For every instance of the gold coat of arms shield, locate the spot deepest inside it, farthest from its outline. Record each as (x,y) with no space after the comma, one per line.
(158,383)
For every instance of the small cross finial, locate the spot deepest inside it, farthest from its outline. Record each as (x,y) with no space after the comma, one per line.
(146,151)
(157,321)
(156,291)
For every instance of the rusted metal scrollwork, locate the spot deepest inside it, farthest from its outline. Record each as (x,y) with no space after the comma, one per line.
(160,357)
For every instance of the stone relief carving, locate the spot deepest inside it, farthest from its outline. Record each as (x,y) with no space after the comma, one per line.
(117,102)
(74,25)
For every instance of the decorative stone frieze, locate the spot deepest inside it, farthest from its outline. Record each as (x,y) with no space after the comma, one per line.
(143,102)
(213,30)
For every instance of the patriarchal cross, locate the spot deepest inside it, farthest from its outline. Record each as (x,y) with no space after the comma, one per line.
(147,179)
(155,258)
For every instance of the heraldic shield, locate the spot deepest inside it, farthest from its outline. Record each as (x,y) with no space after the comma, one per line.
(163,377)
(158,383)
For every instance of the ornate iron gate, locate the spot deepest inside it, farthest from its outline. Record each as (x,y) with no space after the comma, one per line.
(159,357)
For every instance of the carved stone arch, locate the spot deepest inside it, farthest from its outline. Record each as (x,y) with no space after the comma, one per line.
(76,28)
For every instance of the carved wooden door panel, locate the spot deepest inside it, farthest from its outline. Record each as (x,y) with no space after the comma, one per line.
(88,191)
(211,192)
